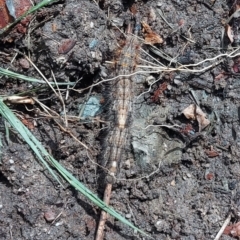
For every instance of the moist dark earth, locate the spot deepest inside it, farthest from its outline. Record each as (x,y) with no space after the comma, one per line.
(177,179)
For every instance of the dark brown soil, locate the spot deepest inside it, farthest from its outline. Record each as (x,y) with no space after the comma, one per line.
(174,182)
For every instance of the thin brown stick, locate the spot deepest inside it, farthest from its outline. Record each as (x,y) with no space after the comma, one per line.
(104,215)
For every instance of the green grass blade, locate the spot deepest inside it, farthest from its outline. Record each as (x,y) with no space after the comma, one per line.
(42,154)
(7,132)
(25,133)
(90,195)
(11,74)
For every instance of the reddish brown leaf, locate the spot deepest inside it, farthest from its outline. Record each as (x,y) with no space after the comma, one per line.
(220,76)
(235,6)
(28,123)
(150,36)
(133,9)
(211,153)
(186,130)
(66,45)
(162,87)
(233,230)
(21,6)
(5,18)
(236,65)
(227,230)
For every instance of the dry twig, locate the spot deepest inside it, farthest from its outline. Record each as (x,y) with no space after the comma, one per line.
(226,222)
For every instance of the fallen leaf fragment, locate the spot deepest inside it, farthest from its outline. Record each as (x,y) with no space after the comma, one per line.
(211,153)
(28,123)
(187,129)
(133,9)
(5,17)
(220,76)
(9,10)
(236,65)
(233,230)
(194,112)
(159,91)
(150,36)
(66,45)
(235,6)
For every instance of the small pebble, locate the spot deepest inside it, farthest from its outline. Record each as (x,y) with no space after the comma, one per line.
(127,164)
(12,169)
(128,215)
(117,22)
(232,185)
(59,224)
(93,54)
(158,222)
(173,183)
(24,166)
(11,161)
(24,63)
(103,72)
(93,43)
(177,82)
(49,215)
(209,176)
